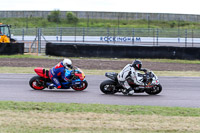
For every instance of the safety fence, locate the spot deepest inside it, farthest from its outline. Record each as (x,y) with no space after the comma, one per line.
(133,36)
(31,47)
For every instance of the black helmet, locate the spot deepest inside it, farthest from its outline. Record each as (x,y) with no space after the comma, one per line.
(137,64)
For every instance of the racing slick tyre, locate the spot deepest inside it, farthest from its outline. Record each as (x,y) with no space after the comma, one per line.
(81,87)
(154,90)
(37,83)
(108,87)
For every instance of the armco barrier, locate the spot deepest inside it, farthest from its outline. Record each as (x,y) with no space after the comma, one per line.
(121,51)
(11,48)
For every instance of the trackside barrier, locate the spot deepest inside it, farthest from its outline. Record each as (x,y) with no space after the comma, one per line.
(29,47)
(135,36)
(11,48)
(121,51)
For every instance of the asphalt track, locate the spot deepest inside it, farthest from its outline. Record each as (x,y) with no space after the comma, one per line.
(177,91)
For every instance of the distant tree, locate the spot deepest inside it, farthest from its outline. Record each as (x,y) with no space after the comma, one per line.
(54,16)
(71,17)
(172,24)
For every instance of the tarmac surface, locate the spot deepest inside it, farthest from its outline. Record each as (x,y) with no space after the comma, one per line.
(177,91)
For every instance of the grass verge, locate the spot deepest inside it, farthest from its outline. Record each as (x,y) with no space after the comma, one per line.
(33,22)
(32,117)
(117,59)
(30,70)
(99,108)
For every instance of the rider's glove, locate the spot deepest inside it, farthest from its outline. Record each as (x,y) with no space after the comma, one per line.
(144,70)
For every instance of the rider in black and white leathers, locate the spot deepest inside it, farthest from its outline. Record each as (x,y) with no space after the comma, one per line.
(130,72)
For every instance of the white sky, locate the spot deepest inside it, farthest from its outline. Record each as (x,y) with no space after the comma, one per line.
(147,6)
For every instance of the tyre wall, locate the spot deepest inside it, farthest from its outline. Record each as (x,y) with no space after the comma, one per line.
(121,51)
(11,48)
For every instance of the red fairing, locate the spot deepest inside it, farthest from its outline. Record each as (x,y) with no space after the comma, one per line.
(40,72)
(80,75)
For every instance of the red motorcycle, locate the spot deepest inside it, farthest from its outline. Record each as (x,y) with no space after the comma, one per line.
(42,80)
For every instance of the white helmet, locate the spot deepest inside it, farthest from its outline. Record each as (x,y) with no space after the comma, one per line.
(67,63)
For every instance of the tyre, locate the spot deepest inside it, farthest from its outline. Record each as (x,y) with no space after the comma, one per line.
(81,87)
(155,90)
(37,83)
(108,87)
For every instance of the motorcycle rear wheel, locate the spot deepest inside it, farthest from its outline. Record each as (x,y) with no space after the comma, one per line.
(37,83)
(154,91)
(83,86)
(108,87)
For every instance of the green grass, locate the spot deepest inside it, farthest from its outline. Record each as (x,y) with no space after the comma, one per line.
(25,117)
(17,69)
(24,56)
(99,108)
(86,58)
(158,73)
(173,61)
(42,22)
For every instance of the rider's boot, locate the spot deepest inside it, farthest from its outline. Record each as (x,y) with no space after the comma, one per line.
(131,92)
(52,86)
(128,91)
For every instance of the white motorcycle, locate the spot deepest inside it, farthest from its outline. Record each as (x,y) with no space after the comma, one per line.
(151,84)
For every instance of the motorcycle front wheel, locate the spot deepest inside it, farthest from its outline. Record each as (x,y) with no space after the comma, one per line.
(81,87)
(154,90)
(108,87)
(37,83)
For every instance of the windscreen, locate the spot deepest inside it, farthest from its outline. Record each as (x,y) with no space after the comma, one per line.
(4,30)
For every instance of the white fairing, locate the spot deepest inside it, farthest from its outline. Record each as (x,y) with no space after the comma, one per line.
(155,79)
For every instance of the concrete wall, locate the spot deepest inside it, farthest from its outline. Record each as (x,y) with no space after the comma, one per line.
(105,15)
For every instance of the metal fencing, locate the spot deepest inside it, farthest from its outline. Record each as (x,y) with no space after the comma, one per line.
(125,36)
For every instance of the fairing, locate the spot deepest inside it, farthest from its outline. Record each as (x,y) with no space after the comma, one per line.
(41,72)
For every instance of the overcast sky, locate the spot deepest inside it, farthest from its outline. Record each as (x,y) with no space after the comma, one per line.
(147,6)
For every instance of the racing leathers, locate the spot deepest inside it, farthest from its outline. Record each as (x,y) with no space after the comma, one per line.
(58,73)
(129,73)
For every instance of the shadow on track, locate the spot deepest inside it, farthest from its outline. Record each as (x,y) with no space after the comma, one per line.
(122,95)
(59,91)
